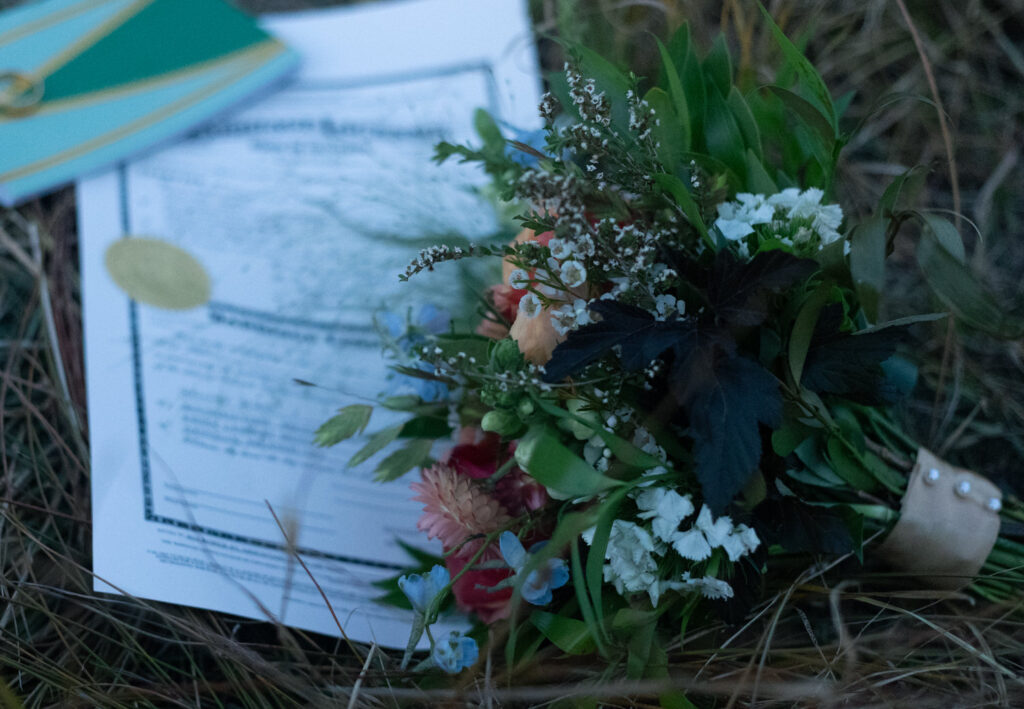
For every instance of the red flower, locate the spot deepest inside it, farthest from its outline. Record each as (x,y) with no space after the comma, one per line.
(471,590)
(479,459)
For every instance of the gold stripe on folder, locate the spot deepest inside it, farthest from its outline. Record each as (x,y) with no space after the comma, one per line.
(116,92)
(52,19)
(246,59)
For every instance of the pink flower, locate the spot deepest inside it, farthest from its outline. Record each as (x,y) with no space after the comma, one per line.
(454,507)
(505,299)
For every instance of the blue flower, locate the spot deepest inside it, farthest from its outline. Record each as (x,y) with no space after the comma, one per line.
(455,652)
(541,582)
(422,589)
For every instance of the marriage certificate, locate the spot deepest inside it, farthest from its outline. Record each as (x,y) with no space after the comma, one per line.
(303,209)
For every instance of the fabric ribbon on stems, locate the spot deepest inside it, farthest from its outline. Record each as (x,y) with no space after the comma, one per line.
(949,522)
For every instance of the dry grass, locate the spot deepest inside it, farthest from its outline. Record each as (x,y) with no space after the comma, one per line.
(816,644)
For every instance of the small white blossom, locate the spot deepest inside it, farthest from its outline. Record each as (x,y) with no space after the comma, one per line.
(560,248)
(573,274)
(665,305)
(530,305)
(708,586)
(519,279)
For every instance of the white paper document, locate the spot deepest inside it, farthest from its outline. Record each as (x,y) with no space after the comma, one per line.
(303,208)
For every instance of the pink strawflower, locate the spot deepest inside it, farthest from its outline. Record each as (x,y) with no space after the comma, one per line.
(454,507)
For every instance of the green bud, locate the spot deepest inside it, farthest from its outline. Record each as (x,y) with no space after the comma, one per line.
(525,407)
(499,421)
(506,357)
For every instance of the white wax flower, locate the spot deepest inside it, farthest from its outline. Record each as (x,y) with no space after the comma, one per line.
(530,305)
(573,274)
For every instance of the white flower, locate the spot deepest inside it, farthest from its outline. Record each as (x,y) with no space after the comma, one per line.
(664,305)
(530,305)
(708,586)
(563,319)
(560,248)
(787,199)
(825,218)
(631,565)
(716,531)
(667,508)
(750,539)
(691,544)
(733,229)
(708,533)
(573,274)
(737,219)
(519,279)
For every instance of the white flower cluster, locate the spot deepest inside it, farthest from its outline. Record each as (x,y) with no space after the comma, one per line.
(737,219)
(570,316)
(633,552)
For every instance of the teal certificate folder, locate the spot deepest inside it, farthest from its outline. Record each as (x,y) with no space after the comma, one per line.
(87,83)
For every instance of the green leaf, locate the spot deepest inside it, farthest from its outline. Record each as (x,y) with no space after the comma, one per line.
(475,346)
(721,133)
(623,450)
(349,421)
(566,533)
(682,109)
(945,233)
(400,462)
(803,329)
(579,586)
(667,132)
(718,65)
(848,467)
(544,458)
(821,134)
(902,190)
(758,179)
(960,291)
(810,80)
(594,574)
(378,442)
(674,699)
(746,122)
(867,263)
(488,131)
(571,636)
(674,187)
(788,438)
(425,427)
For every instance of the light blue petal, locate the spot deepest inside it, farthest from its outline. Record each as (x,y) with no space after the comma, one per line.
(537,595)
(470,651)
(414,588)
(437,579)
(559,573)
(512,550)
(393,322)
(433,319)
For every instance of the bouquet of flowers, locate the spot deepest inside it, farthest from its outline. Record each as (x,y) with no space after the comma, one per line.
(682,387)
